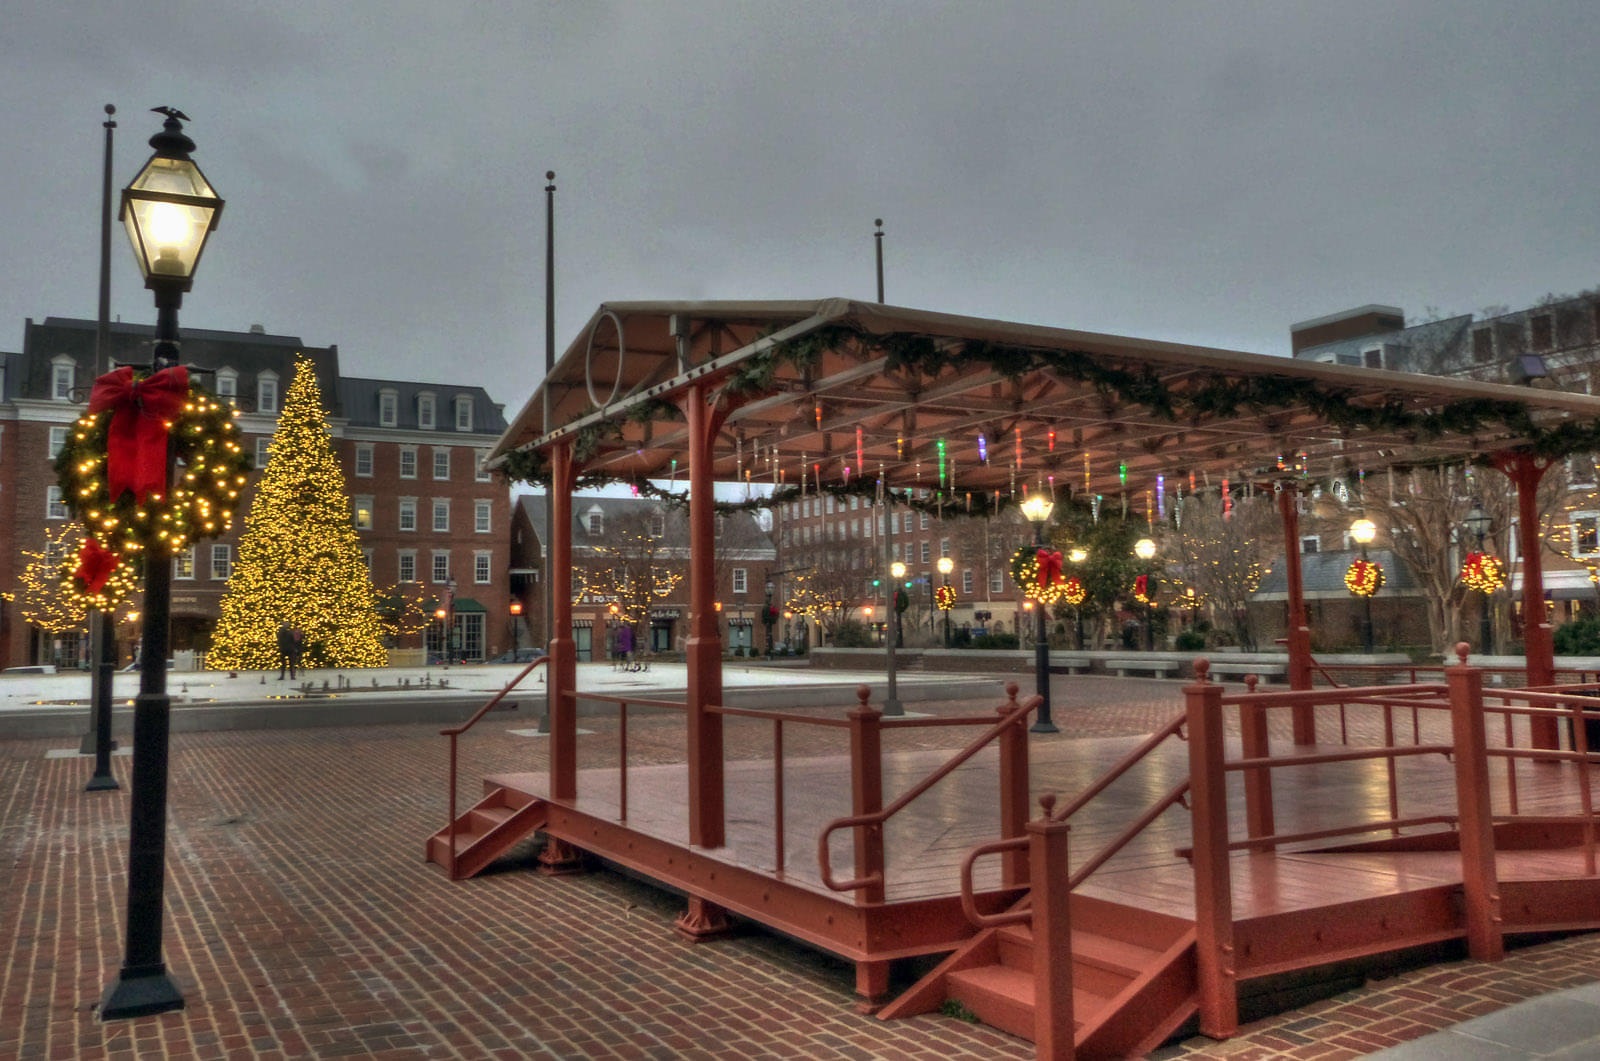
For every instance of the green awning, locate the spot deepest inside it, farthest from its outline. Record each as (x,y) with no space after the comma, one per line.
(467,604)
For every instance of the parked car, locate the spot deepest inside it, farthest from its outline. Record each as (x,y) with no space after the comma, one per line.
(521,655)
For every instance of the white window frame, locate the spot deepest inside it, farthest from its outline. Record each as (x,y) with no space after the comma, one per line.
(997,581)
(439,566)
(221,562)
(54,506)
(63,377)
(267,392)
(228,385)
(263,450)
(403,559)
(388,407)
(361,511)
(441,515)
(966,581)
(408,455)
(58,439)
(441,462)
(658,524)
(741,581)
(463,404)
(408,509)
(1310,544)
(1593,519)
(183,565)
(482,473)
(482,516)
(594,521)
(925,552)
(482,567)
(427,411)
(363,460)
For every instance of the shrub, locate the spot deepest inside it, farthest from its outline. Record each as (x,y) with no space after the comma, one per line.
(1581,637)
(996,641)
(1190,641)
(851,634)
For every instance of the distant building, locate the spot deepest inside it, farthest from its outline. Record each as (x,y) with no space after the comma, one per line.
(424,509)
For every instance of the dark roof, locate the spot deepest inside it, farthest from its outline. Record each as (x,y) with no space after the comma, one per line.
(1323,574)
(358,398)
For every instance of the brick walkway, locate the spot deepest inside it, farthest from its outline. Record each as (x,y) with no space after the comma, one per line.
(303,921)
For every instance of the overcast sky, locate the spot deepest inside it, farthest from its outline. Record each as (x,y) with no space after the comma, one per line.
(1203,172)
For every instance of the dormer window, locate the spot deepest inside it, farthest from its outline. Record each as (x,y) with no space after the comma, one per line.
(594,521)
(388,407)
(228,385)
(267,392)
(63,377)
(658,524)
(463,413)
(425,412)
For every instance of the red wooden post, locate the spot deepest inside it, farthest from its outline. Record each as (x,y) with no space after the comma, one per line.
(1538,638)
(1298,639)
(1258,782)
(1479,882)
(1213,889)
(706,796)
(1053,1032)
(1013,791)
(563,665)
(866,791)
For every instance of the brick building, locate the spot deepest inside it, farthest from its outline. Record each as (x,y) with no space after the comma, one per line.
(424,510)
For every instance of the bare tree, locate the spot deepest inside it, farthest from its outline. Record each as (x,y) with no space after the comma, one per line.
(630,566)
(1223,553)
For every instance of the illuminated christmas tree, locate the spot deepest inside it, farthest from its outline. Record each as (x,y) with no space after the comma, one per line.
(300,561)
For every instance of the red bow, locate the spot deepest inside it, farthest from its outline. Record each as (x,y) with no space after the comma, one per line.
(1049,567)
(95,564)
(1141,587)
(136,444)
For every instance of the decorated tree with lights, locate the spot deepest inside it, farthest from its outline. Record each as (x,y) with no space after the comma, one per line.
(52,596)
(632,566)
(300,562)
(1223,552)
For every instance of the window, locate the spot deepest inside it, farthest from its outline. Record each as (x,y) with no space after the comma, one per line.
(924,521)
(1580,472)
(740,582)
(408,514)
(894,551)
(828,502)
(408,565)
(425,417)
(267,392)
(463,413)
(997,582)
(58,438)
(441,514)
(482,475)
(441,565)
(364,460)
(482,515)
(228,385)
(1483,345)
(183,564)
(927,548)
(263,450)
(221,562)
(363,512)
(658,524)
(1310,544)
(388,407)
(441,463)
(1585,534)
(54,507)
(966,581)
(944,546)
(63,375)
(594,521)
(480,567)
(408,462)
(894,523)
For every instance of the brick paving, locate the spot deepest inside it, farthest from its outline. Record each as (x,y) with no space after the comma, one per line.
(302,921)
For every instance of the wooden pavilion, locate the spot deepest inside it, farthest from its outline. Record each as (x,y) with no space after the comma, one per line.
(841,396)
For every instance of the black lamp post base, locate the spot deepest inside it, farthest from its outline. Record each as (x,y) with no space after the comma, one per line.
(1043,726)
(140,995)
(100,783)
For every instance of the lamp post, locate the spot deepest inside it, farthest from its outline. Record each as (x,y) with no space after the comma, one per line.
(1145,549)
(1481,523)
(169,209)
(1037,509)
(1363,531)
(897,571)
(450,622)
(768,615)
(1078,555)
(946,565)
(515,608)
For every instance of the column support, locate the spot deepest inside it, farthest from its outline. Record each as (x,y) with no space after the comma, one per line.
(1299,633)
(563,665)
(706,798)
(1538,638)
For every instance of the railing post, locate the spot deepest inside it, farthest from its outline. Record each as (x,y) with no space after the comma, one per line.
(1258,814)
(1053,1032)
(1479,882)
(866,792)
(1213,888)
(1013,791)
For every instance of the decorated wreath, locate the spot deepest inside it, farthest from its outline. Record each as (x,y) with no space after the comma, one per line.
(945,597)
(1037,573)
(1364,578)
(902,600)
(1484,572)
(1141,590)
(1072,591)
(113,465)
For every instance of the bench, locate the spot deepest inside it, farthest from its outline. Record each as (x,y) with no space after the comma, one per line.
(42,668)
(1160,667)
(1066,664)
(1264,671)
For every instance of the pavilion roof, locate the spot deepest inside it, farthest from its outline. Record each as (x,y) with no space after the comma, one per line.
(808,382)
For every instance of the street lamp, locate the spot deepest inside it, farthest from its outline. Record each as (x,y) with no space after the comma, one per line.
(450,642)
(1481,523)
(515,608)
(1037,509)
(897,571)
(1078,555)
(169,210)
(946,565)
(1362,531)
(1145,549)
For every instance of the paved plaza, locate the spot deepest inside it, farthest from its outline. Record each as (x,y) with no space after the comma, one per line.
(303,921)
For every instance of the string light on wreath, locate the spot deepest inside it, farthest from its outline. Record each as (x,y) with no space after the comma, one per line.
(1483,572)
(1141,590)
(128,512)
(1072,591)
(1364,578)
(1025,573)
(945,598)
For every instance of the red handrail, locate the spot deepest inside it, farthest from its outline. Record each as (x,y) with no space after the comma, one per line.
(876,819)
(456,731)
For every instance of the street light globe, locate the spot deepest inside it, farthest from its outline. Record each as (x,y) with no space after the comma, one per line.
(1078,554)
(168,210)
(1144,549)
(1362,531)
(1037,508)
(946,565)
(897,569)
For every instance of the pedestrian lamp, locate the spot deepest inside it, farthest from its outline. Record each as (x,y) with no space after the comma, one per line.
(169,210)
(1078,555)
(515,608)
(1481,523)
(1037,509)
(1145,549)
(897,571)
(946,565)
(1362,532)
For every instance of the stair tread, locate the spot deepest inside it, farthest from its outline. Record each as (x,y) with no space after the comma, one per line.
(1115,955)
(1016,986)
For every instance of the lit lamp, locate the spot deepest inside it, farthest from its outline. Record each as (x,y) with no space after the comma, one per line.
(1145,549)
(169,210)
(1037,509)
(1362,531)
(946,565)
(897,571)
(515,608)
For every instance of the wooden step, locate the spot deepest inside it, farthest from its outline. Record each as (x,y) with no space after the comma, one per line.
(485,832)
(1100,964)
(482,819)
(1003,997)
